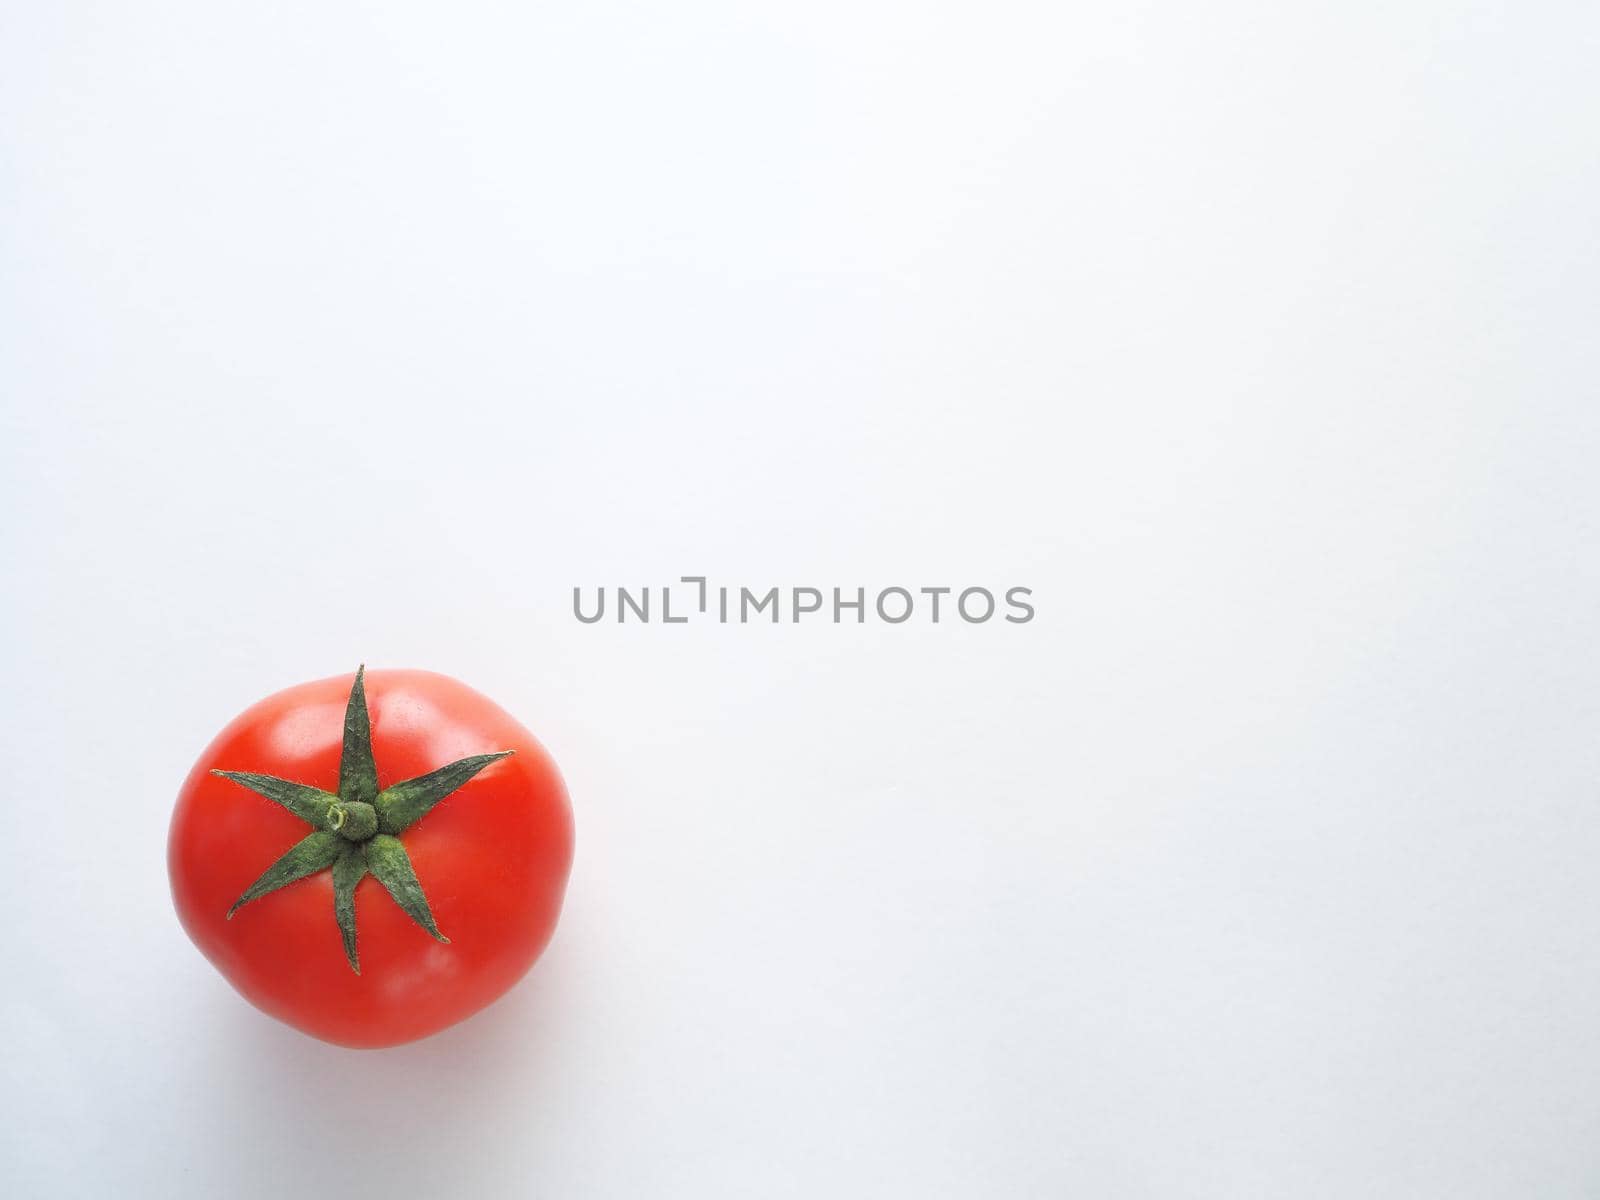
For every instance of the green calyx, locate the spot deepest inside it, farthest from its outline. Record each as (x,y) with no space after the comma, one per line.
(356,832)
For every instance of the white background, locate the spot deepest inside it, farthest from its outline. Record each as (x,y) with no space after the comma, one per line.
(1257,337)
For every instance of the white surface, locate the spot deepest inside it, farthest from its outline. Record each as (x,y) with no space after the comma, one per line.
(1258,338)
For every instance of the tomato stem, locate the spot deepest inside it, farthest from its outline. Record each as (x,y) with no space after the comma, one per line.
(354,822)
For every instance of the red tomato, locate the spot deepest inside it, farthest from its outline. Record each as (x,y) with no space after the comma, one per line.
(484,853)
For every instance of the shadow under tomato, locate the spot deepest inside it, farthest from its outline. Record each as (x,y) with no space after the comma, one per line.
(288,1113)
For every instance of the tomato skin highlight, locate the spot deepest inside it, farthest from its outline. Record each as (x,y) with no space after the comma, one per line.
(493,857)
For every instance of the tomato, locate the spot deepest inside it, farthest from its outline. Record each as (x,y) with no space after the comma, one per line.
(373,859)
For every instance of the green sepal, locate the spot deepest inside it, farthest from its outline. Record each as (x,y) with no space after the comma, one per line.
(310,854)
(358,775)
(348,869)
(403,804)
(304,801)
(391,866)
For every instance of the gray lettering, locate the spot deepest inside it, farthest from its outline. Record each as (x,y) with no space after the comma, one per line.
(808,608)
(600,610)
(1011,599)
(746,596)
(961,603)
(701,580)
(625,602)
(893,591)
